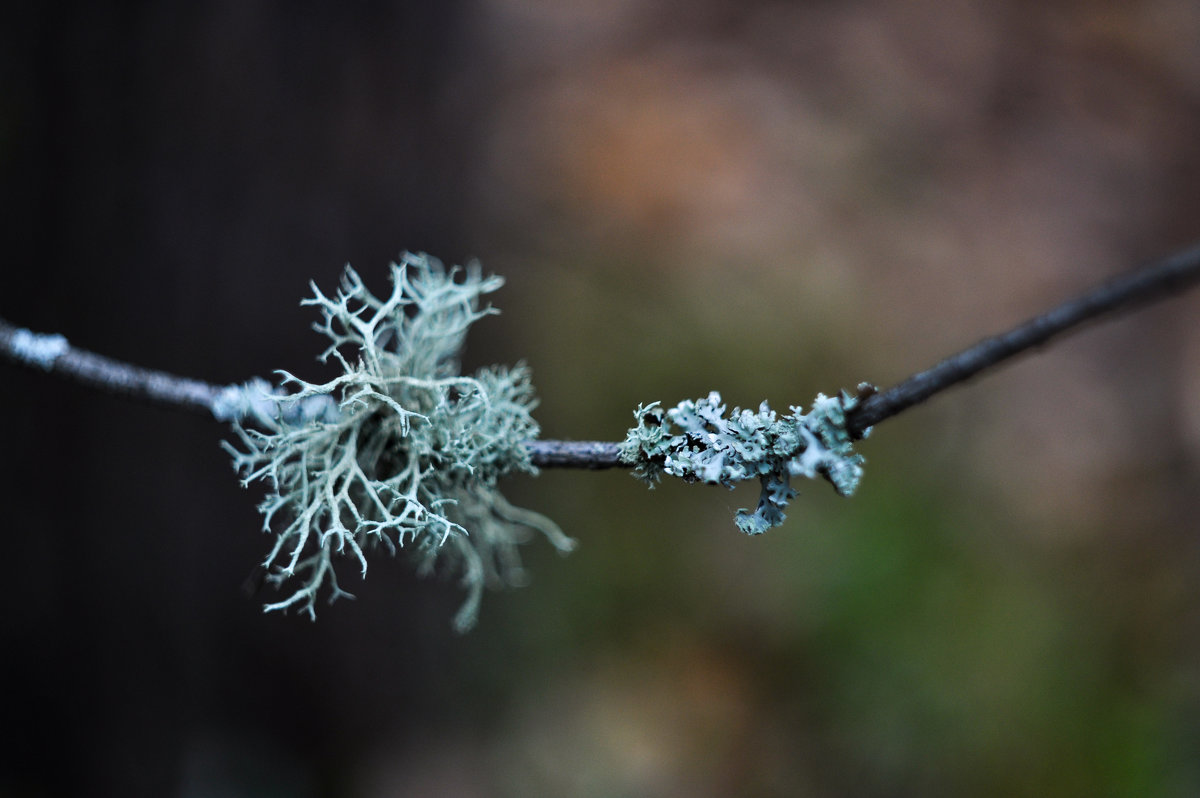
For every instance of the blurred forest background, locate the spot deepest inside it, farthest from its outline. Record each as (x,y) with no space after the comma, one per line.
(768,199)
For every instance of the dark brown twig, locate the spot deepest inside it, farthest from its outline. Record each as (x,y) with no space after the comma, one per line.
(1125,292)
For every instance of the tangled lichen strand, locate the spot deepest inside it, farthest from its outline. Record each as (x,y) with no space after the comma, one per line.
(401,450)
(723,450)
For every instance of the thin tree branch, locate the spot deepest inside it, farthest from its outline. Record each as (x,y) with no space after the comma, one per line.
(595,455)
(53,354)
(1156,281)
(1125,292)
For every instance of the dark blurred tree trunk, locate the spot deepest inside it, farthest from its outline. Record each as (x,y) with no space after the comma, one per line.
(170,178)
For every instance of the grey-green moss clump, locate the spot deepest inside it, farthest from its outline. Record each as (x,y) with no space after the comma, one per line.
(723,450)
(401,451)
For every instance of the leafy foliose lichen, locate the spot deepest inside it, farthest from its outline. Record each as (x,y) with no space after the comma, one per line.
(721,449)
(401,451)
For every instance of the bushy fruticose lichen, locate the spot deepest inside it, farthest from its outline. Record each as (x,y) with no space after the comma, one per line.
(710,446)
(400,451)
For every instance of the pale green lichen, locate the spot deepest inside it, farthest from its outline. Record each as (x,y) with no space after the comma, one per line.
(401,451)
(718,449)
